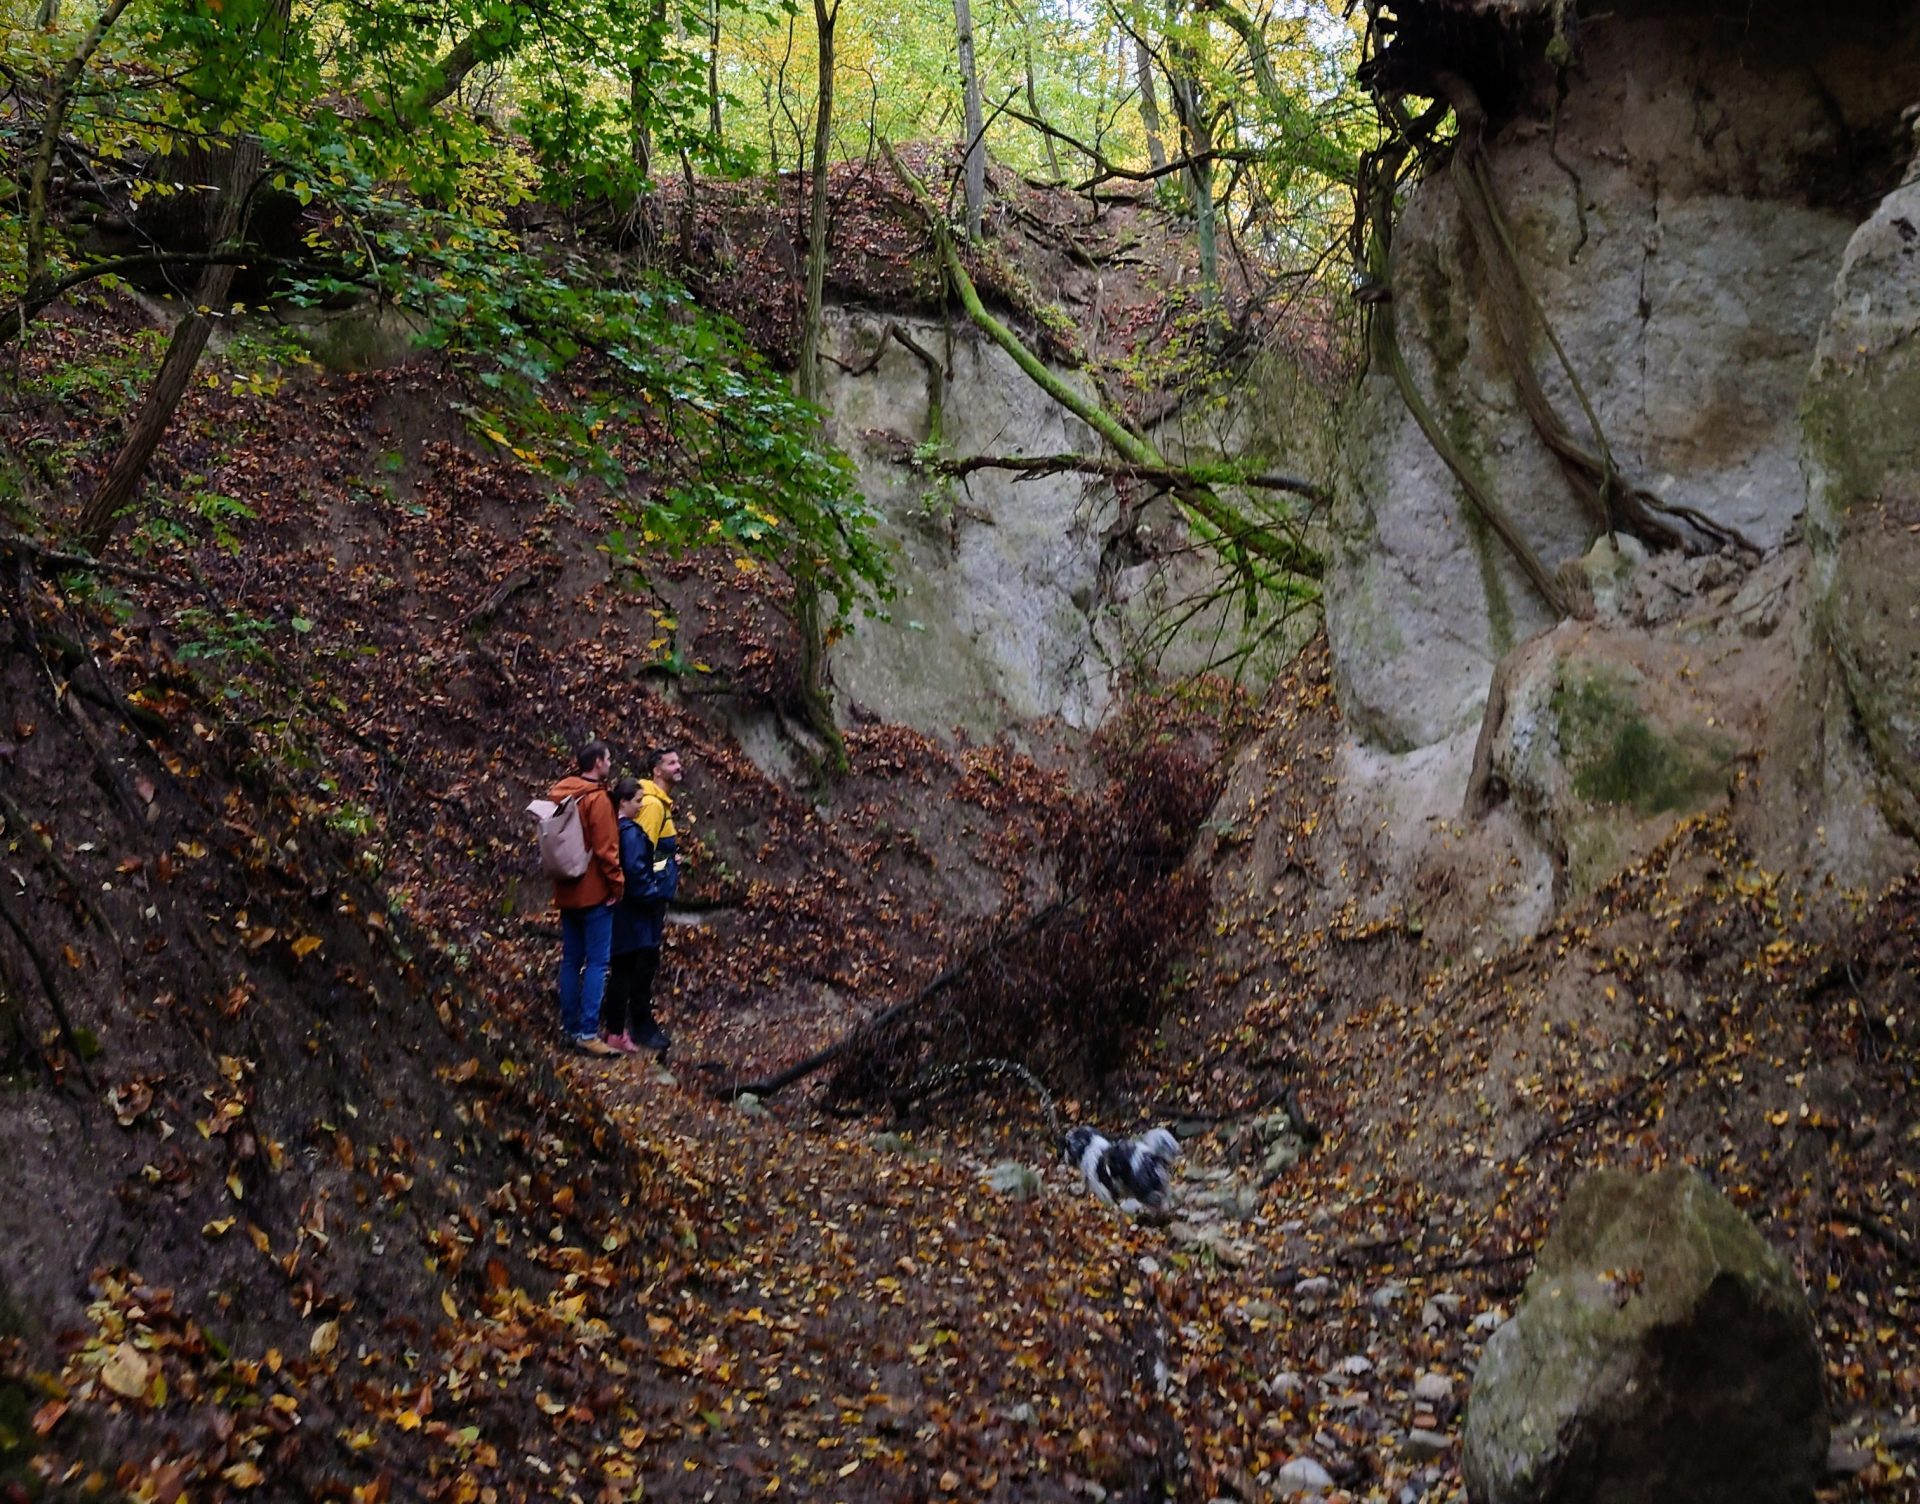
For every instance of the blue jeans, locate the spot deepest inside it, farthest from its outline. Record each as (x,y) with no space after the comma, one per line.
(586,942)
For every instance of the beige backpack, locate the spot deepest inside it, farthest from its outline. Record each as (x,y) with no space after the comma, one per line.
(562,836)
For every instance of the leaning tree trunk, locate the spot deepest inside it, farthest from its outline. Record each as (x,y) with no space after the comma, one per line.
(122,480)
(815,689)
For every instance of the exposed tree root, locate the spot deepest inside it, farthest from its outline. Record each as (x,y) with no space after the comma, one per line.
(1381,178)
(1610,501)
(1614,504)
(43,970)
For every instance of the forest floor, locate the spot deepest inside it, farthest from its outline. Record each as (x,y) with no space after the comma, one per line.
(307,1200)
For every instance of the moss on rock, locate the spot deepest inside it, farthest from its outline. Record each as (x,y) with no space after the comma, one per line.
(1616,756)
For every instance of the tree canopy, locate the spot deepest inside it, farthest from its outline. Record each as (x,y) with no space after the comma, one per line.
(446,159)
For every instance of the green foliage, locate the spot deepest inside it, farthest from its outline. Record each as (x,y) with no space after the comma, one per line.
(585,378)
(172,520)
(571,366)
(207,635)
(106,377)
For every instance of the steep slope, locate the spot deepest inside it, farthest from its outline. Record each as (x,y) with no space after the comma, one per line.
(305,1199)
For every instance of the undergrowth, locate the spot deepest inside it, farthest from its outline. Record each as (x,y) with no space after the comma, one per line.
(1066,988)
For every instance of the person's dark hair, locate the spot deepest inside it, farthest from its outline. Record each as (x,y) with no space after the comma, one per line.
(624,789)
(588,753)
(655,756)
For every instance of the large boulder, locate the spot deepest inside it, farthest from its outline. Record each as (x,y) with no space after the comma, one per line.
(1604,733)
(1663,1351)
(1863,513)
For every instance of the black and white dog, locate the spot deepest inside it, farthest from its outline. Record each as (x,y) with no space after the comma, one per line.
(1133,1170)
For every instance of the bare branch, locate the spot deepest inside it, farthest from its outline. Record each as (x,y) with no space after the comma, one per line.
(1032,466)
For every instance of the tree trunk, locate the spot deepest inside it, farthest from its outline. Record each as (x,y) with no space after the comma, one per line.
(976,149)
(639,107)
(473,49)
(1190,108)
(816,693)
(1033,109)
(713,77)
(41,171)
(122,480)
(640,93)
(1149,107)
(824,16)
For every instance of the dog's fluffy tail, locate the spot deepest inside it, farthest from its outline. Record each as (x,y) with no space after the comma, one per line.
(1160,1143)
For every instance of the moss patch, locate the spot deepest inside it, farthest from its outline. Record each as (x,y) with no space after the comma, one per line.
(1618,757)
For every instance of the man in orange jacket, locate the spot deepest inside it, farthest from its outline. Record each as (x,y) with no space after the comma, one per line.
(587,902)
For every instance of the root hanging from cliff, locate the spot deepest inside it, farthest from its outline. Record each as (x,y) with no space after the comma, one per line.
(1611,501)
(1380,178)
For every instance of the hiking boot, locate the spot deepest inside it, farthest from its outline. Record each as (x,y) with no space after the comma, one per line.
(654,1038)
(623,1042)
(593,1044)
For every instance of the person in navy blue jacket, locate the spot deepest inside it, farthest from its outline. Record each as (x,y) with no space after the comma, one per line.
(650,863)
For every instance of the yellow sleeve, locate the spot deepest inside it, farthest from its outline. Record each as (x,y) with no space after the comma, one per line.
(653,819)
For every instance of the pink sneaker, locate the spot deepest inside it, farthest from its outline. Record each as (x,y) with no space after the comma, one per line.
(623,1043)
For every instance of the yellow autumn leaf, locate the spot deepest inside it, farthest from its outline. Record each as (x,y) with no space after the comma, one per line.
(305,946)
(219,1227)
(325,1338)
(408,1420)
(126,1371)
(244,1475)
(447,1305)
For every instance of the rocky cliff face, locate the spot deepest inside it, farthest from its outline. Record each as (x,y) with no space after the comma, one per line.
(1023,599)
(1681,197)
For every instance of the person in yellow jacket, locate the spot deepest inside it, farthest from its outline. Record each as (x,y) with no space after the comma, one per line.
(650,863)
